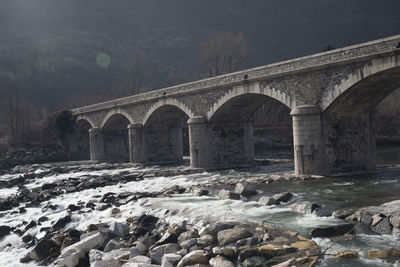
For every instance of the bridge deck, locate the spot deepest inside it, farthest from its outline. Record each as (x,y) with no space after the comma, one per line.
(319,60)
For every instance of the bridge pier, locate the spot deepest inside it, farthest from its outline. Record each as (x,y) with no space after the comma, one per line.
(199,143)
(96,144)
(137,144)
(308,140)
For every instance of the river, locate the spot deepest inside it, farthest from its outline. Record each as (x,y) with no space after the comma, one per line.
(333,193)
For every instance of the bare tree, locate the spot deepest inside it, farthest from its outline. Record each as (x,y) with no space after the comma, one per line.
(223,53)
(136,73)
(18,115)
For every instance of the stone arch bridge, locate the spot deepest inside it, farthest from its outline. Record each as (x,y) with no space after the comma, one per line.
(331,95)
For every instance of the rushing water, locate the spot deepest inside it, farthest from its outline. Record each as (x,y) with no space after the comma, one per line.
(333,193)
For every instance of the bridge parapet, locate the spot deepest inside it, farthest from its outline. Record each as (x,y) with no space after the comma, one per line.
(319,60)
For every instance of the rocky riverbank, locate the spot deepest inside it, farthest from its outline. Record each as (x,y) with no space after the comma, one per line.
(85,214)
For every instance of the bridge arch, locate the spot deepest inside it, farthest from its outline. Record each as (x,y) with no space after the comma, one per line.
(116,112)
(349,115)
(251,89)
(166,132)
(363,78)
(115,136)
(85,118)
(167,102)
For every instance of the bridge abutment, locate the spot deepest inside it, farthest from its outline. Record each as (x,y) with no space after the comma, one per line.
(96,144)
(307,140)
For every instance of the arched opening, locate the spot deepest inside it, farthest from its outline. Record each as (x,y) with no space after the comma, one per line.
(80,144)
(115,138)
(166,135)
(350,125)
(249,126)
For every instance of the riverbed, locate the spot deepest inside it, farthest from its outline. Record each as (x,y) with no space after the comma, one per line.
(332,193)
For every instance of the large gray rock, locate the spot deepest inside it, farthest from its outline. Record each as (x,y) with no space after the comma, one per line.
(224,251)
(305,207)
(332,231)
(284,197)
(157,253)
(267,201)
(94,241)
(111,245)
(194,257)
(226,194)
(245,189)
(140,259)
(106,263)
(119,229)
(118,254)
(394,219)
(95,255)
(342,213)
(232,235)
(189,243)
(41,250)
(383,226)
(220,261)
(213,229)
(171,258)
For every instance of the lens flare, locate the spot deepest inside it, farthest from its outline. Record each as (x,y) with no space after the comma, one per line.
(103,60)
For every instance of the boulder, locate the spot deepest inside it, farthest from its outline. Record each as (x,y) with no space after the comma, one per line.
(171,258)
(117,254)
(106,263)
(255,261)
(213,229)
(4,230)
(224,251)
(205,240)
(220,261)
(332,231)
(287,263)
(71,260)
(284,197)
(189,243)
(194,257)
(304,245)
(394,219)
(383,226)
(275,250)
(119,229)
(41,250)
(111,245)
(226,194)
(157,253)
(94,241)
(95,255)
(232,235)
(267,201)
(347,255)
(140,259)
(187,235)
(388,254)
(245,189)
(61,223)
(305,207)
